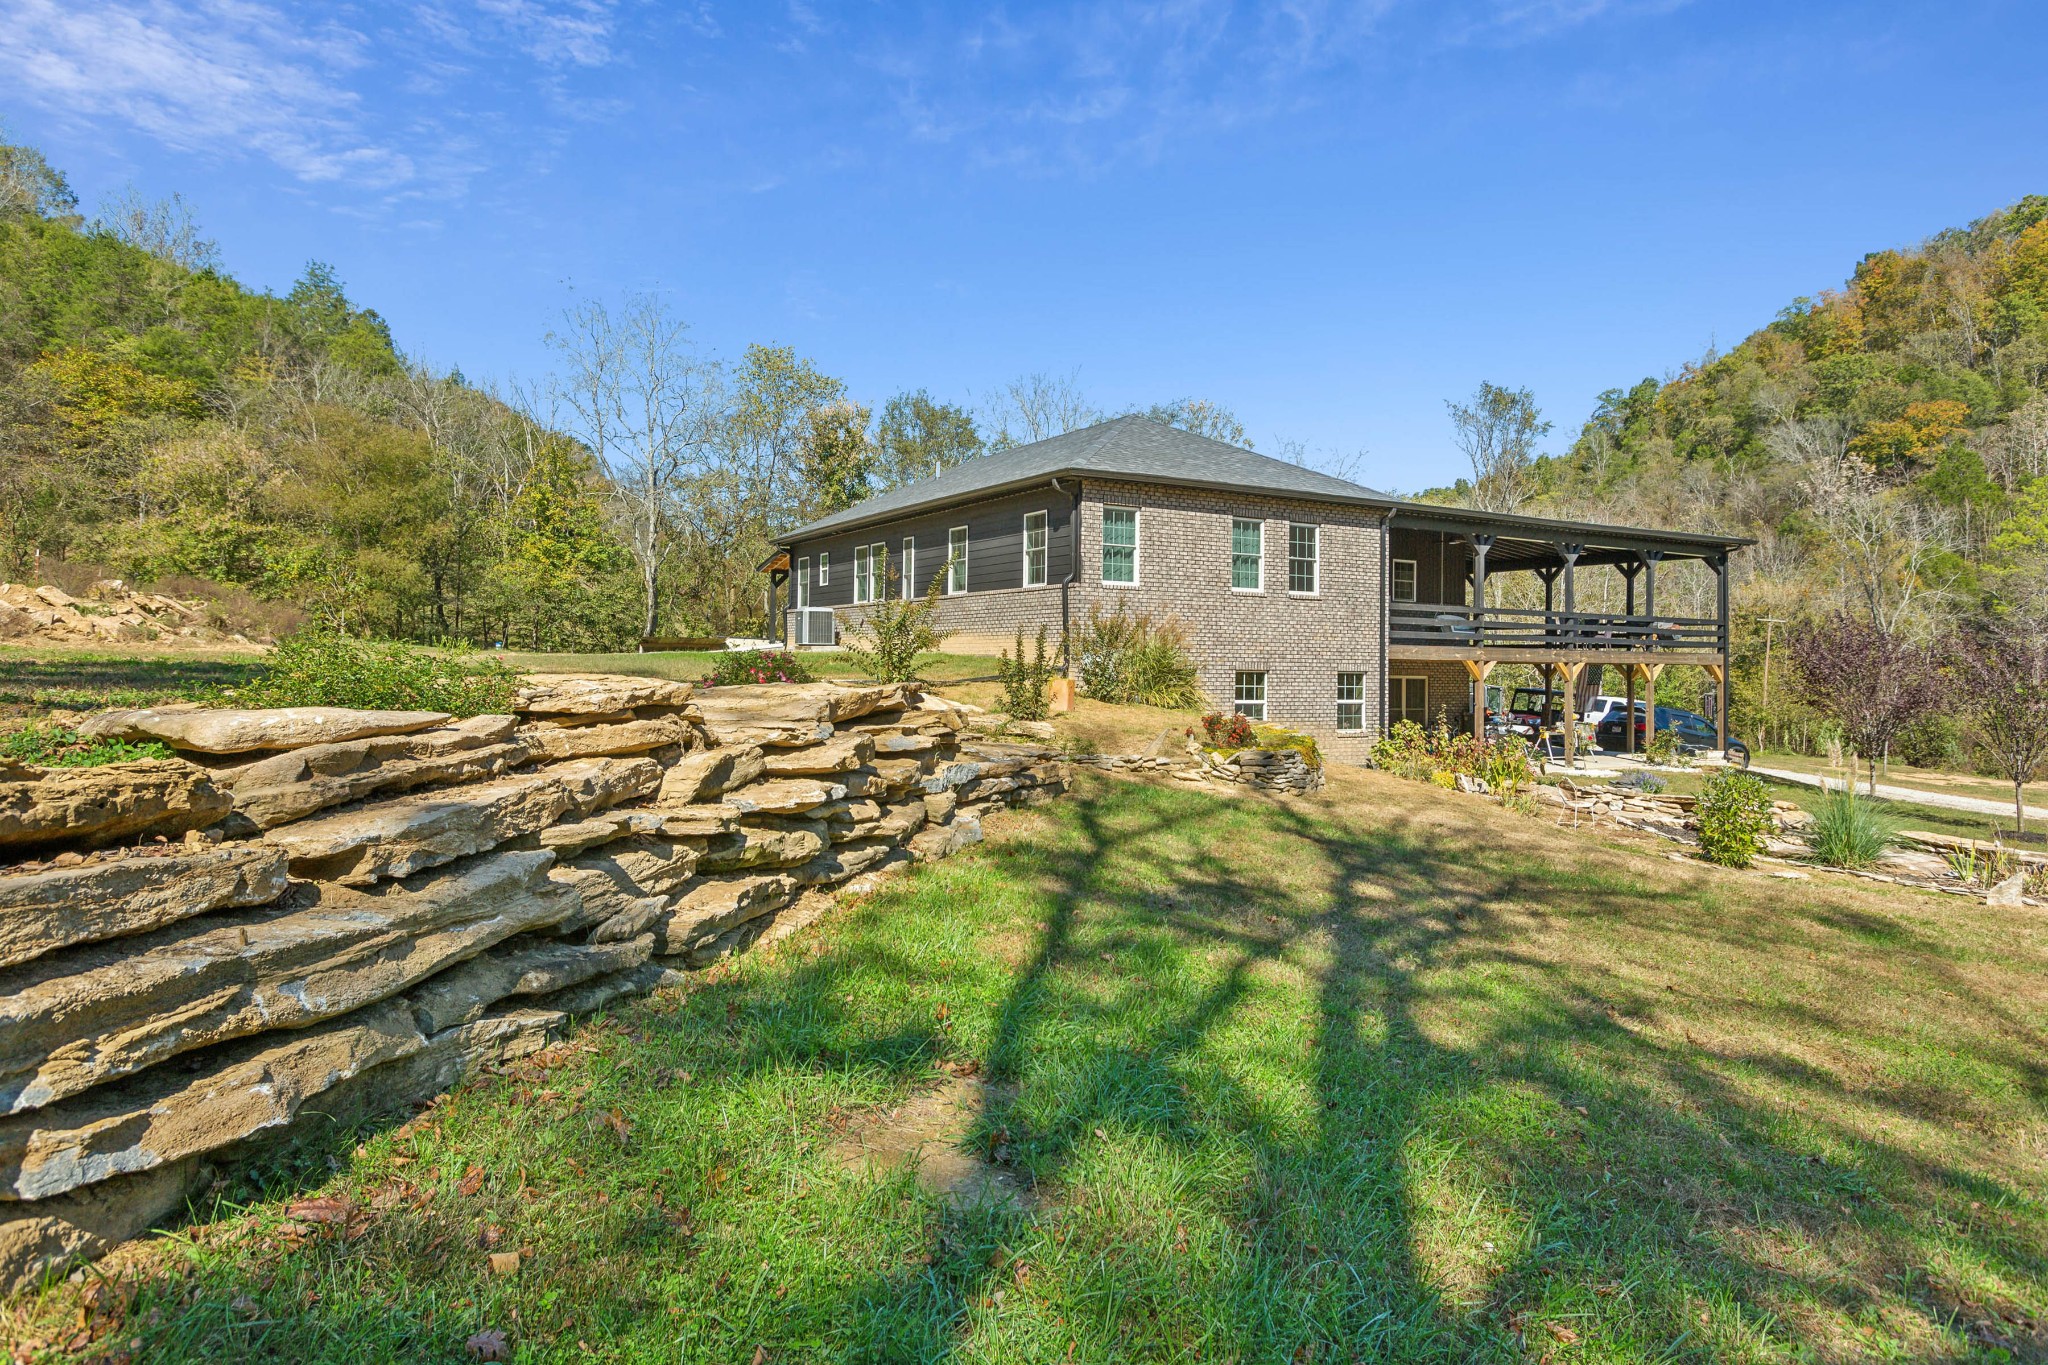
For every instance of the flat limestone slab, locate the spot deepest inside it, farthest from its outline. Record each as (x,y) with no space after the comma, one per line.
(290,786)
(784,796)
(239,732)
(717,904)
(591,741)
(92,1219)
(61,906)
(596,694)
(101,805)
(77,1019)
(367,844)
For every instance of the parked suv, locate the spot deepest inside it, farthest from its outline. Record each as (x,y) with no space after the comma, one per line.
(1694,731)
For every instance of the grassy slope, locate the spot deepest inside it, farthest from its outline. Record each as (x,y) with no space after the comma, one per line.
(1388,1074)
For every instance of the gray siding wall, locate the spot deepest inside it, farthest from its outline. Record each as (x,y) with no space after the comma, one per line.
(995,556)
(1441,564)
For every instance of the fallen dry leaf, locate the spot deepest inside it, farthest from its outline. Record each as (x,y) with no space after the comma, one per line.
(322,1210)
(489,1344)
(1564,1334)
(760,1355)
(504,1263)
(472,1181)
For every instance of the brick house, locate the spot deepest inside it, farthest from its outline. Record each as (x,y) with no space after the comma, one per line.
(1310,601)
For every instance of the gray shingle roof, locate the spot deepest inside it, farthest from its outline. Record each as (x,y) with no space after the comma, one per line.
(1134,448)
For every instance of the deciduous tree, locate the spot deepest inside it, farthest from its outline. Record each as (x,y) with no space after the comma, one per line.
(1871,680)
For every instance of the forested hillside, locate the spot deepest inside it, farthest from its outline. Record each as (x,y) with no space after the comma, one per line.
(161,422)
(1886,443)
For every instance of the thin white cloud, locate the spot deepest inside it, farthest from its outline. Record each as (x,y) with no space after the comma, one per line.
(217,75)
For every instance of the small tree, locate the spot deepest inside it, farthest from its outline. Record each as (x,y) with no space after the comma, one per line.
(2006,673)
(1871,680)
(1027,683)
(895,631)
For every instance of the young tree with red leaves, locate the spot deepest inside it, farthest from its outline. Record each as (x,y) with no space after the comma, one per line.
(2006,672)
(1873,681)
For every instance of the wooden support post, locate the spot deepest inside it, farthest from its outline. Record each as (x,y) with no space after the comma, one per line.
(1720,563)
(1478,668)
(1629,723)
(1571,671)
(1650,672)
(1480,545)
(1571,561)
(1720,676)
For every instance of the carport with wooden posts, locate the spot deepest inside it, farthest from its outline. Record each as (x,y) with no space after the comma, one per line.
(1561,641)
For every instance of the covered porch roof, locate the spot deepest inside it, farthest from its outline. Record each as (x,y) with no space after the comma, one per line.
(1518,542)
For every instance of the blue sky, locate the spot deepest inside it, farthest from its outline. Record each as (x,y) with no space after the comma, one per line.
(1328,217)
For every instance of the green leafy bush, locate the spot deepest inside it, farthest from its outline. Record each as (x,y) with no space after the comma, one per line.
(743,666)
(1441,753)
(1849,831)
(55,746)
(1027,683)
(1125,656)
(885,644)
(1666,750)
(1734,814)
(322,668)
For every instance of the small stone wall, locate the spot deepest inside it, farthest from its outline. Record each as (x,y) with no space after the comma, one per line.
(315,916)
(1278,770)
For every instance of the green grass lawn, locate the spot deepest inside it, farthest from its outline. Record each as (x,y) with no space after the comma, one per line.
(1922,779)
(1387,1074)
(1902,814)
(34,681)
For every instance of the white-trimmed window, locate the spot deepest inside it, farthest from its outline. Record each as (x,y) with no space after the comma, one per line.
(956,555)
(1301,558)
(1119,544)
(1249,695)
(1404,580)
(803,582)
(1034,549)
(824,568)
(909,567)
(1351,701)
(1408,699)
(1247,554)
(864,573)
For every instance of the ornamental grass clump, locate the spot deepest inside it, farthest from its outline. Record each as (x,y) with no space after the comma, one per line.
(1849,830)
(1734,814)
(318,667)
(1124,657)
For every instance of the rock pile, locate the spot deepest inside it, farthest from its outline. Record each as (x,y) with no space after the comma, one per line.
(312,916)
(1670,816)
(1275,770)
(110,611)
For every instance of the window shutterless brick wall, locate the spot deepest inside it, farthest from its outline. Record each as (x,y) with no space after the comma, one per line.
(1450,689)
(1300,642)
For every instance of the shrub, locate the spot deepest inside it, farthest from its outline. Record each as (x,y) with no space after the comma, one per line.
(1849,831)
(1027,684)
(1126,656)
(742,666)
(55,746)
(1227,730)
(1504,766)
(1734,814)
(1645,782)
(1440,754)
(896,632)
(1664,748)
(322,668)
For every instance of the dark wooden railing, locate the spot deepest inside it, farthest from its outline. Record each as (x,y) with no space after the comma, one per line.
(1511,628)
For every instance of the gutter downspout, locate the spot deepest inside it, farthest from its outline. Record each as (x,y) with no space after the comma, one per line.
(1067,585)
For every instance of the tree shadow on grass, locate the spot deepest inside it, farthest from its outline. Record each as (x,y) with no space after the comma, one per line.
(1289,1088)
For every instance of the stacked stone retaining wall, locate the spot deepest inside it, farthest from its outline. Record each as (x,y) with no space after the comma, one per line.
(314,916)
